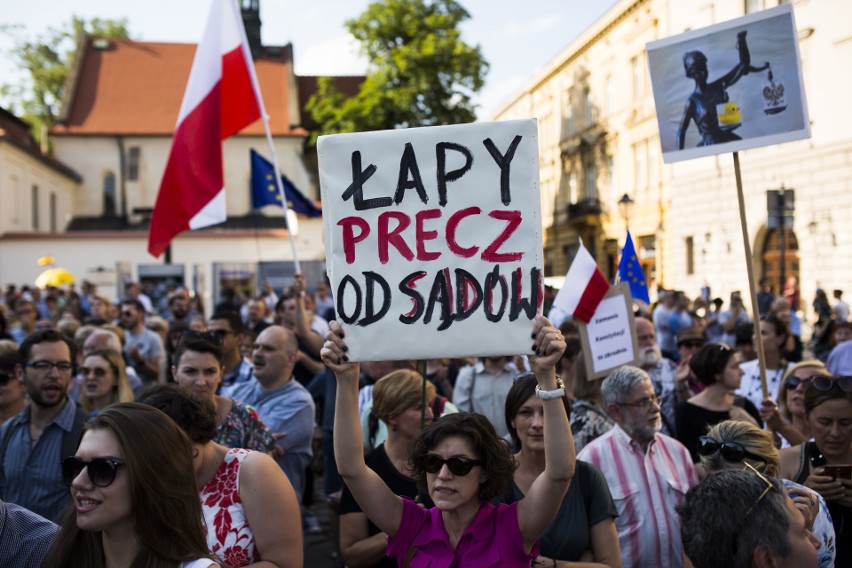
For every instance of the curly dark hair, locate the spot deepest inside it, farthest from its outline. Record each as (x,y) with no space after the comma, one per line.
(195,416)
(497,461)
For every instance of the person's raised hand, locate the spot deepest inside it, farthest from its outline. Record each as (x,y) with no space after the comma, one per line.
(548,345)
(769,414)
(333,354)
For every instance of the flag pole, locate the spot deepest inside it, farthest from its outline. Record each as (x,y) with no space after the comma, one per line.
(750,270)
(265,118)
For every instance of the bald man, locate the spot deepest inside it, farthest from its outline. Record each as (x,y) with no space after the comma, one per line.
(284,405)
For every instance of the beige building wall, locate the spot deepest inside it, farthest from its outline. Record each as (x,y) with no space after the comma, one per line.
(33,196)
(692,201)
(95,156)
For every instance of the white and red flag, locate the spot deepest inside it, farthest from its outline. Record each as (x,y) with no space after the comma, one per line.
(221,99)
(584,287)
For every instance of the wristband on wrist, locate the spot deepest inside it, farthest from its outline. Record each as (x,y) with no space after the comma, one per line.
(558,392)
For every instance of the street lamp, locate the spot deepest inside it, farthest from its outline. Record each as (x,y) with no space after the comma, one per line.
(624,205)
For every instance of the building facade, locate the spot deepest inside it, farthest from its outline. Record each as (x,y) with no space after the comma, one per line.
(601,167)
(115,129)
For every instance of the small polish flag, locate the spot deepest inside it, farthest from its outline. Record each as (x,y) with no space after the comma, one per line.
(584,287)
(221,98)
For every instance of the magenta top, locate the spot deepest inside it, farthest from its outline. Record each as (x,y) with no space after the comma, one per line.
(493,539)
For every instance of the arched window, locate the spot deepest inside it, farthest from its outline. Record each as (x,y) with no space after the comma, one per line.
(109,194)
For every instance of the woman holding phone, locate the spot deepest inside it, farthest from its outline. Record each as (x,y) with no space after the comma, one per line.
(825,464)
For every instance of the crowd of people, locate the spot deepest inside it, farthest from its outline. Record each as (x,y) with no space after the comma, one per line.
(144,433)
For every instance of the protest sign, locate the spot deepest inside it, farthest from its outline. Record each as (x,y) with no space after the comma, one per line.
(729,86)
(609,340)
(433,239)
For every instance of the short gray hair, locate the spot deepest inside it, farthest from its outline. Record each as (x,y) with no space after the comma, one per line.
(112,340)
(617,386)
(726,517)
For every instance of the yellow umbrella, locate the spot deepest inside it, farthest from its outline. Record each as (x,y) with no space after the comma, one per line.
(54,277)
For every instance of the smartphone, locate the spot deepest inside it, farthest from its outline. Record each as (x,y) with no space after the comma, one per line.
(838,471)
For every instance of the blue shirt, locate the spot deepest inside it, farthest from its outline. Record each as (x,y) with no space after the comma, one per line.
(241,375)
(288,409)
(24,536)
(33,476)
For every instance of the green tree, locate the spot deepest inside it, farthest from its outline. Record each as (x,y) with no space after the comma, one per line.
(421,73)
(47,60)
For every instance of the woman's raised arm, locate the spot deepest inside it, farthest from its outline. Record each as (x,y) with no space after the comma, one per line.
(370,491)
(537,510)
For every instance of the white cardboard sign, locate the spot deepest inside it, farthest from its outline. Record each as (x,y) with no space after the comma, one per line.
(608,339)
(730,86)
(433,239)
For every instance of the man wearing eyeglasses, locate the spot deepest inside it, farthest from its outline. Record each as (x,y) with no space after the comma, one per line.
(49,428)
(648,473)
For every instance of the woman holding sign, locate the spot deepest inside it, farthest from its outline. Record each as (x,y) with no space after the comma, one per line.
(461,463)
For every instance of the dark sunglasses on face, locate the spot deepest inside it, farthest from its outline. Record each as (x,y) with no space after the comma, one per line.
(5,378)
(101,471)
(98,372)
(793,382)
(458,465)
(731,451)
(128,314)
(692,344)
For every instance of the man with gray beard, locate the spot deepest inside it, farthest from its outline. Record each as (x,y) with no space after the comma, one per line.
(663,373)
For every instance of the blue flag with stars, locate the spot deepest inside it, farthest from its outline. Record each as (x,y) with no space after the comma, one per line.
(630,271)
(264,191)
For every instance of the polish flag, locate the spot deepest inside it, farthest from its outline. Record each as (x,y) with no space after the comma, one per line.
(221,99)
(583,289)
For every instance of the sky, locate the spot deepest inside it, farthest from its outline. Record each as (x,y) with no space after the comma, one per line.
(517,38)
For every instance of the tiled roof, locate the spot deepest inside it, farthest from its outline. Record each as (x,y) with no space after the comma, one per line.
(16,132)
(136,88)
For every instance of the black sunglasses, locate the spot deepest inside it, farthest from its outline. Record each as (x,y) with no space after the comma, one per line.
(101,471)
(731,451)
(5,378)
(458,465)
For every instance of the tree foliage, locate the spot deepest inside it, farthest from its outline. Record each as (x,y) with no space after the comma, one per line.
(421,73)
(47,60)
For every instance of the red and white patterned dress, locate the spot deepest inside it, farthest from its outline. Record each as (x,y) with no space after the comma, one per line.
(229,536)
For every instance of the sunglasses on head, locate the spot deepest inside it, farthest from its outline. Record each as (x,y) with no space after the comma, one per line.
(101,471)
(730,451)
(458,465)
(825,383)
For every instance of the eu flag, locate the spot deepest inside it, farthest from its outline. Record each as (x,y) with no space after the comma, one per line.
(630,271)
(264,191)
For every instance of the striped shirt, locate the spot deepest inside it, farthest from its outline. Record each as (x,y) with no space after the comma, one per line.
(646,488)
(33,475)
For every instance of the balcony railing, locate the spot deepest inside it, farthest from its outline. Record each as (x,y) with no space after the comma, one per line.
(585,208)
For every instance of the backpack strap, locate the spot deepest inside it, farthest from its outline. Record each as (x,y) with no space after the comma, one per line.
(70,440)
